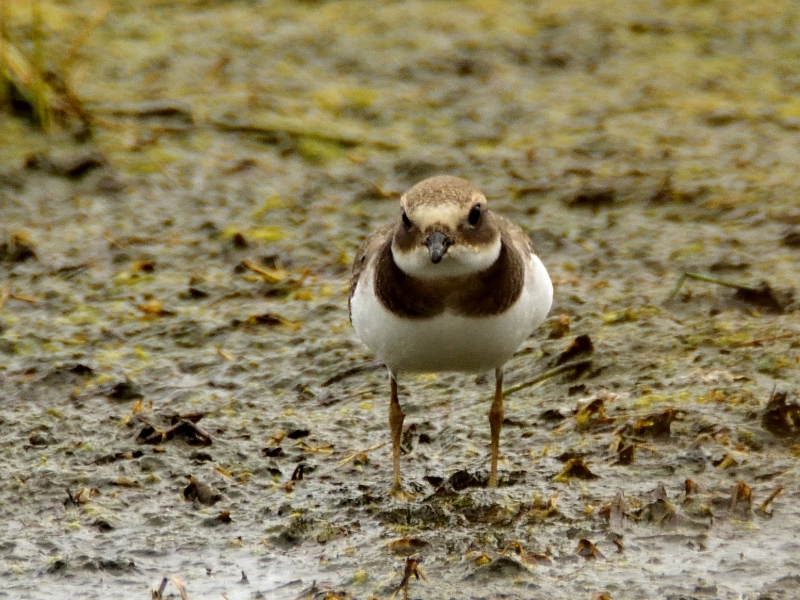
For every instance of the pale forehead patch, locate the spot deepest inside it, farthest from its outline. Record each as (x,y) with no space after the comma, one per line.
(425,215)
(441,190)
(445,200)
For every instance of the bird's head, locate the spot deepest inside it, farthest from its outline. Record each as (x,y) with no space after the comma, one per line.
(445,229)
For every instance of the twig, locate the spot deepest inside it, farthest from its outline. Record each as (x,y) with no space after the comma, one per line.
(309,592)
(175,109)
(579,364)
(771,338)
(99,17)
(373,366)
(352,456)
(298,127)
(22,298)
(159,593)
(412,568)
(571,573)
(357,393)
(185,427)
(270,275)
(223,354)
(709,279)
(41,106)
(768,501)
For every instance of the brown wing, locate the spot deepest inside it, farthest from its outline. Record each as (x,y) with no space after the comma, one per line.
(366,252)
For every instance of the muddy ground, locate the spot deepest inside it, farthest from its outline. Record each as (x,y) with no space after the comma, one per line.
(181,392)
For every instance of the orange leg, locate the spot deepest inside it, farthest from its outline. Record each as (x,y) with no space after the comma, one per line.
(495,423)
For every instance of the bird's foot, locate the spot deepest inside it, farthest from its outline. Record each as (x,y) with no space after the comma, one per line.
(400,494)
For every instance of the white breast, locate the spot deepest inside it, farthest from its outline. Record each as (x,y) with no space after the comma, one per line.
(450,342)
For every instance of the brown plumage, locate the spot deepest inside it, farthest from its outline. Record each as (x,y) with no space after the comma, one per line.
(489,292)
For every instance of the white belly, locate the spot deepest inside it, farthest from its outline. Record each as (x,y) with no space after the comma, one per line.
(450,342)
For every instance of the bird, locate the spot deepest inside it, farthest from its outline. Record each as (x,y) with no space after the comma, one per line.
(446,286)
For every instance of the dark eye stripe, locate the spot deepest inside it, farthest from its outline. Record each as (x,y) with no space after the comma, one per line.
(406,221)
(474,215)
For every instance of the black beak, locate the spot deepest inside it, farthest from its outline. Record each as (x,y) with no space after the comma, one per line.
(437,244)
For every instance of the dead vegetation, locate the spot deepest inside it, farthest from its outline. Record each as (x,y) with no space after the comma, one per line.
(180,384)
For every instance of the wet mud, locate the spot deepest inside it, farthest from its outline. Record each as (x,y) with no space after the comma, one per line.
(181,393)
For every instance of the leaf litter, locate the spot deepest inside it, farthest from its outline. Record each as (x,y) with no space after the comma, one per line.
(143,241)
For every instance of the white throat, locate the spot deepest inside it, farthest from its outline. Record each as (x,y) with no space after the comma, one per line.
(458,261)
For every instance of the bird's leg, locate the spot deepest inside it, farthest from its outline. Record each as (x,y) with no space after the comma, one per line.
(396,417)
(495,423)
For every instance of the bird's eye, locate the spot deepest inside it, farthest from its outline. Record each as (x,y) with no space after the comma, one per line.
(474,215)
(406,221)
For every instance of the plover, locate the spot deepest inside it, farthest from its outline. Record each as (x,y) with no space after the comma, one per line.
(447,286)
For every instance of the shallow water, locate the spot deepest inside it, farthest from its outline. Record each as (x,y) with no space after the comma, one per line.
(200,274)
